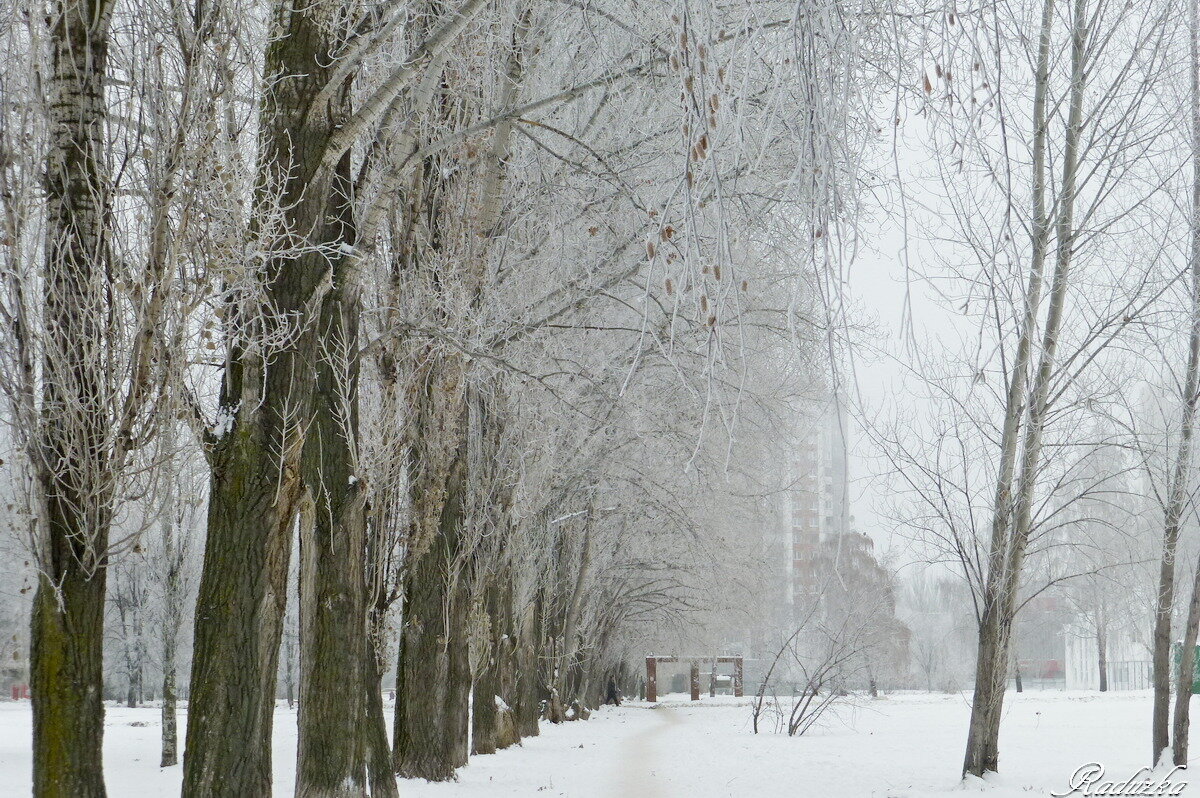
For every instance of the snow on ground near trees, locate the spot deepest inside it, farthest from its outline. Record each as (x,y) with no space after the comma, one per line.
(900,746)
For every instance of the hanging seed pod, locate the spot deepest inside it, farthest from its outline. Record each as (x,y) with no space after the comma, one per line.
(721,74)
(691,179)
(705,269)
(712,321)
(666,233)
(674,62)
(703,51)
(687,84)
(703,303)
(670,287)
(717,271)
(745,286)
(650,249)
(714,102)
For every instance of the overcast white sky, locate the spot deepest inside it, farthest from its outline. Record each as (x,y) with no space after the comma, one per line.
(901,313)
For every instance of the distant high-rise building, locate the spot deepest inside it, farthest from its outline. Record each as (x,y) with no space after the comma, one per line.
(816,505)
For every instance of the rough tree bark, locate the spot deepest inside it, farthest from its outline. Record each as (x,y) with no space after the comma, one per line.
(529,683)
(331,759)
(485,715)
(255,484)
(378,754)
(433,674)
(67,628)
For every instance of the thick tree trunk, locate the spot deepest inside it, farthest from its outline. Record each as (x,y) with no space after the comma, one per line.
(432,688)
(255,486)
(528,683)
(67,685)
(457,709)
(330,757)
(333,615)
(67,624)
(433,674)
(239,615)
(485,716)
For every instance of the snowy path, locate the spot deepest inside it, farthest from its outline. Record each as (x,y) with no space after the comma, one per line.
(643,754)
(904,746)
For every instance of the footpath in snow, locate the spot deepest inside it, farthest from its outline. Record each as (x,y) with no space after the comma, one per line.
(900,746)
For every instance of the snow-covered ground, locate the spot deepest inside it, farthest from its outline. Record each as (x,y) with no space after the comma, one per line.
(900,746)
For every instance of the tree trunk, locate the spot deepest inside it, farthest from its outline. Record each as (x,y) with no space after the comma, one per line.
(170,725)
(377,581)
(67,622)
(485,715)
(67,682)
(570,627)
(1102,656)
(330,754)
(333,619)
(239,614)
(982,745)
(433,675)
(380,773)
(507,732)
(529,684)
(1180,487)
(1006,560)
(255,486)
(1187,666)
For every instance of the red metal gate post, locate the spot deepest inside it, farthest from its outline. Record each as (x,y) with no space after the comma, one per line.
(737,678)
(695,680)
(651,679)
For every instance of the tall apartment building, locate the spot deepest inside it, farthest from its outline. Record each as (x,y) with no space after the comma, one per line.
(816,505)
